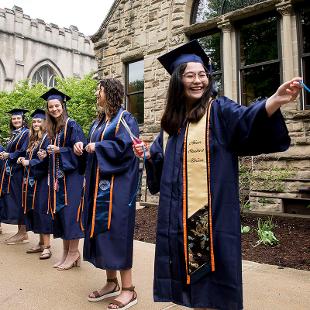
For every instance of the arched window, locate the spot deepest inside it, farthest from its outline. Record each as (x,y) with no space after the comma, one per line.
(45,75)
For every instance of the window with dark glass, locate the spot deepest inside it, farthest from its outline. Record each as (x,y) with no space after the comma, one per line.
(206,9)
(45,75)
(211,43)
(259,58)
(305,52)
(135,89)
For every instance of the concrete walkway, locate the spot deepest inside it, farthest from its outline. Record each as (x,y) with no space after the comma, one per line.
(26,283)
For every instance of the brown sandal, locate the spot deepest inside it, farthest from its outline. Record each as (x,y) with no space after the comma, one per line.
(112,293)
(133,301)
(46,254)
(36,249)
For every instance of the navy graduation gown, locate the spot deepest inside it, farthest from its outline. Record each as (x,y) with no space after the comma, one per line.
(65,224)
(1,166)
(113,249)
(234,130)
(37,218)
(12,179)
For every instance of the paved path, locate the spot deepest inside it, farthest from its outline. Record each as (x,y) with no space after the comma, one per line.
(26,283)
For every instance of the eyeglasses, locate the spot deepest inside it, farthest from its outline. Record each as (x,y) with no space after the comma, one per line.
(191,76)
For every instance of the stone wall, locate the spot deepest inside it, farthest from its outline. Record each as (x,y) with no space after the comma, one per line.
(26,44)
(145,29)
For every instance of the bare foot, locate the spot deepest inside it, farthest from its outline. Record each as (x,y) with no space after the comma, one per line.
(18,238)
(64,255)
(125,298)
(73,259)
(109,290)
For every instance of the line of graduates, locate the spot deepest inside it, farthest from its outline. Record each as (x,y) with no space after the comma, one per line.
(54,180)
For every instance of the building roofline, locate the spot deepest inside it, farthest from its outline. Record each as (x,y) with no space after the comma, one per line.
(96,36)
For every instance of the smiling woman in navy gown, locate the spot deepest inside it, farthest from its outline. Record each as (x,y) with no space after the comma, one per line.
(64,177)
(12,176)
(194,165)
(35,188)
(111,184)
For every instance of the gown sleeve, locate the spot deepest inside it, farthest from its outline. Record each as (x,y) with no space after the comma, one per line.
(154,166)
(68,159)
(39,168)
(22,147)
(250,131)
(116,156)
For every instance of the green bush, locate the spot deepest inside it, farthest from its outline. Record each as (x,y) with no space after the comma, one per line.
(81,107)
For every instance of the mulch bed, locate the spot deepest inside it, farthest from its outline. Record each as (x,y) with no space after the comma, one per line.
(293,234)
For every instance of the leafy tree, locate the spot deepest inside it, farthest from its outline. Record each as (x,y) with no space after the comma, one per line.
(81,107)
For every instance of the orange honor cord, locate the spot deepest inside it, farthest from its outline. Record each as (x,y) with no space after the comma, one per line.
(23,196)
(9,182)
(2,178)
(26,192)
(188,280)
(96,190)
(95,204)
(34,194)
(111,202)
(65,189)
(63,144)
(209,190)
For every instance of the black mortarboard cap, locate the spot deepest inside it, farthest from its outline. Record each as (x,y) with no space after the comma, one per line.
(38,113)
(54,93)
(189,52)
(17,111)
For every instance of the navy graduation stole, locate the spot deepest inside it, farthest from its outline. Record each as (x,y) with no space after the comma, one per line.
(30,183)
(7,170)
(103,192)
(57,188)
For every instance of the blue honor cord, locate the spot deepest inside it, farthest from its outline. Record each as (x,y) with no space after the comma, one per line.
(304,86)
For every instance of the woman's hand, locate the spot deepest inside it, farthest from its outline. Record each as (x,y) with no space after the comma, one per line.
(19,160)
(139,150)
(4,155)
(25,162)
(286,93)
(78,148)
(52,149)
(90,147)
(41,154)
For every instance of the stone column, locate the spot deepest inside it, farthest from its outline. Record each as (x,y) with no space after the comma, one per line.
(227,67)
(19,44)
(285,10)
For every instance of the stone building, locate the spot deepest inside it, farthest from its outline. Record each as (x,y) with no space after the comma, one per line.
(254,46)
(31,48)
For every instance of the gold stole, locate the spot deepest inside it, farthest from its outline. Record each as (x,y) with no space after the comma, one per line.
(197,213)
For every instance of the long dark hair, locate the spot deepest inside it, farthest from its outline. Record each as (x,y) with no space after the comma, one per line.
(114,92)
(53,125)
(25,124)
(175,112)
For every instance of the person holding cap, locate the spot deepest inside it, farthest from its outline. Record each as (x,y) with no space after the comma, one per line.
(112,174)
(35,188)
(193,163)
(65,179)
(12,176)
